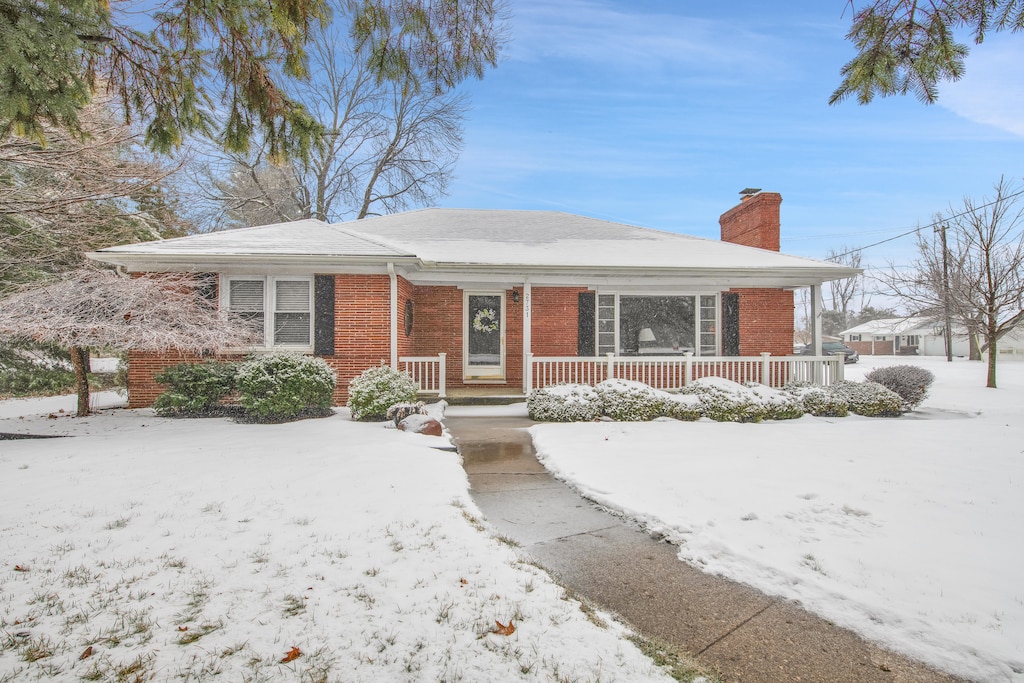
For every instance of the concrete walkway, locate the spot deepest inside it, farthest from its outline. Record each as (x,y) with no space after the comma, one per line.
(743,633)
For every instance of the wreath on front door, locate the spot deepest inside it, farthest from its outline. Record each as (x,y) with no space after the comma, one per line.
(485,320)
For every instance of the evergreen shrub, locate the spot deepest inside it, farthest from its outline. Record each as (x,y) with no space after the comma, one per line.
(373,392)
(564,403)
(821,403)
(26,371)
(627,401)
(277,387)
(685,407)
(909,381)
(777,404)
(726,401)
(868,398)
(194,389)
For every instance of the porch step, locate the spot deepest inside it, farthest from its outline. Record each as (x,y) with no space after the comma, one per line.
(484,396)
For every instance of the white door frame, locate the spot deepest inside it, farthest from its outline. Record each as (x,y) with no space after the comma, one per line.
(484,374)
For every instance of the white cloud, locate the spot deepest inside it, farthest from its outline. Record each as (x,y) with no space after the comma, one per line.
(596,32)
(991,92)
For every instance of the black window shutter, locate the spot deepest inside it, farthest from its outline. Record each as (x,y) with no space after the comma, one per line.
(323,311)
(585,345)
(207,287)
(730,324)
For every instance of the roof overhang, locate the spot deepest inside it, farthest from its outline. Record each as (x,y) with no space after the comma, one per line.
(428,273)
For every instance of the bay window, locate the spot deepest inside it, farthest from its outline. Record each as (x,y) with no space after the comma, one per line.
(639,325)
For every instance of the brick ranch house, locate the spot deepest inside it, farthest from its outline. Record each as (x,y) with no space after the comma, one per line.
(503,301)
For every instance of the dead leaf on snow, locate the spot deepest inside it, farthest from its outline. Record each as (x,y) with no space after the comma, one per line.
(503,630)
(86,654)
(292,655)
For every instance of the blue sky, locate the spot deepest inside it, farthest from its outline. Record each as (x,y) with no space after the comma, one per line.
(658,113)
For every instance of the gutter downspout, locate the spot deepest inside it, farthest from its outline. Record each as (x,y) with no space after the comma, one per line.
(394,314)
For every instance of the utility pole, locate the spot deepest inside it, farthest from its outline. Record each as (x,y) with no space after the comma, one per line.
(945,293)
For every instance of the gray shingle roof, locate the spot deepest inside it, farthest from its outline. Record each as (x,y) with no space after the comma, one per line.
(479,239)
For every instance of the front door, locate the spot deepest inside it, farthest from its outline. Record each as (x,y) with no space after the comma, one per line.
(485,337)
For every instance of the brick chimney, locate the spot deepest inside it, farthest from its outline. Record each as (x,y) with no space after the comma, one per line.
(754,222)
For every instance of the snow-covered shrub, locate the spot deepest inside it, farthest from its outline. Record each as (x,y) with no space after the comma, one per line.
(194,388)
(821,403)
(726,401)
(564,403)
(284,386)
(628,401)
(27,369)
(685,407)
(372,393)
(778,404)
(868,398)
(909,381)
(400,411)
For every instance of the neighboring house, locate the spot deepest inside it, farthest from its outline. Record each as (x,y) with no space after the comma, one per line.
(496,292)
(916,335)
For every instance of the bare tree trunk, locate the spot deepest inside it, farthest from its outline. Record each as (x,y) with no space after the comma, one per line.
(992,351)
(78,361)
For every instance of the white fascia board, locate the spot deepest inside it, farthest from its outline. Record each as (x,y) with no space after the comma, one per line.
(255,264)
(790,279)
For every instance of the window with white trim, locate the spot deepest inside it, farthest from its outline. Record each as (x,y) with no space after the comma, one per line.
(637,324)
(281,305)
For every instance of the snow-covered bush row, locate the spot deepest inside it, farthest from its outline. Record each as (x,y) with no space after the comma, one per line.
(564,403)
(372,393)
(821,403)
(778,404)
(712,397)
(194,388)
(626,401)
(277,387)
(909,381)
(725,401)
(869,399)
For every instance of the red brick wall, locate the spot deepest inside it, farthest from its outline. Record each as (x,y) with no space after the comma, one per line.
(754,222)
(766,321)
(766,315)
(362,327)
(405,293)
(882,348)
(555,326)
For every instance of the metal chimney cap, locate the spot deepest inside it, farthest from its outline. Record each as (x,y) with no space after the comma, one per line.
(747,191)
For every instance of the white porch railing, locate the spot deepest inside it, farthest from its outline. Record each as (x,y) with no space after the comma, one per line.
(673,372)
(428,372)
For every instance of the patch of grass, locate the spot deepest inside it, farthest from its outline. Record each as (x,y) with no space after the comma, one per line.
(294,605)
(119,523)
(195,633)
(677,664)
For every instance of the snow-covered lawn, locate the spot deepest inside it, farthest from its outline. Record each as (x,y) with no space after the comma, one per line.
(152,549)
(908,530)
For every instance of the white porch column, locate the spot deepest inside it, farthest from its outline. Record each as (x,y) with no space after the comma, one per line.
(816,306)
(394,315)
(527,336)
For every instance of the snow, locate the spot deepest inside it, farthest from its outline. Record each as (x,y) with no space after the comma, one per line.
(199,548)
(906,530)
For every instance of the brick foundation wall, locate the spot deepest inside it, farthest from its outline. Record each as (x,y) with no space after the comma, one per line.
(143,366)
(766,321)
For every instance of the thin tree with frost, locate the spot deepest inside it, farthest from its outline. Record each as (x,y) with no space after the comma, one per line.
(94,308)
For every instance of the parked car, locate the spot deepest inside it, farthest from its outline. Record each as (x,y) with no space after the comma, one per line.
(831,349)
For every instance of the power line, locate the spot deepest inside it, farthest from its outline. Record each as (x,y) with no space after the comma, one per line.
(929,225)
